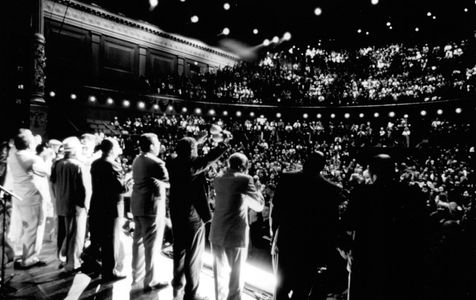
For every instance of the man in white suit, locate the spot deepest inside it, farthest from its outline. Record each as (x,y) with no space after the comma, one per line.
(229,235)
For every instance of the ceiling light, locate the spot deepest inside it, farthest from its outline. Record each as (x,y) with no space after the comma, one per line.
(255,31)
(226,31)
(194,19)
(318,11)
(266,42)
(286,36)
(226,6)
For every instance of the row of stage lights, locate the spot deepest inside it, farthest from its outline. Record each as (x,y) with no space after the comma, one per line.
(198,111)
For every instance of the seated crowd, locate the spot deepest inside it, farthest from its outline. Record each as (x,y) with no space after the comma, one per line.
(315,76)
(198,158)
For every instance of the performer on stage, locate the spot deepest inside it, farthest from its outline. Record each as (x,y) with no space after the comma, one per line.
(148,207)
(190,211)
(70,194)
(25,165)
(229,235)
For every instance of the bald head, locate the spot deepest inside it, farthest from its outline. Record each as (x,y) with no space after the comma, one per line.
(383,167)
(238,162)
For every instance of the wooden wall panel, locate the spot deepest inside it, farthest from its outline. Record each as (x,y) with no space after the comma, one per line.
(119,61)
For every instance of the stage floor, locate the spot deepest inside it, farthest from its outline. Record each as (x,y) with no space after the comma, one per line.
(49,282)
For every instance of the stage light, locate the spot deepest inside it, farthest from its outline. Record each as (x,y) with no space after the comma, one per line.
(278,115)
(266,42)
(434,17)
(226,6)
(156,106)
(374,2)
(361,115)
(238,113)
(109,100)
(126,103)
(305,116)
(405,116)
(275,39)
(141,104)
(376,115)
(52,94)
(211,112)
(458,110)
(423,113)
(170,108)
(182,0)
(225,113)
(367,33)
(333,116)
(439,111)
(198,110)
(346,115)
(252,114)
(255,31)
(286,36)
(226,31)
(318,11)
(428,14)
(417,29)
(390,27)
(92,98)
(153,3)
(359,30)
(184,109)
(319,116)
(465,9)
(389,24)
(195,63)
(391,114)
(194,19)
(73,96)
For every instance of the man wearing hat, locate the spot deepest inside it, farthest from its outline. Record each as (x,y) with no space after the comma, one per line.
(70,194)
(229,235)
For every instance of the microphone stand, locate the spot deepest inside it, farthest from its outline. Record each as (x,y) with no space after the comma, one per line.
(4,286)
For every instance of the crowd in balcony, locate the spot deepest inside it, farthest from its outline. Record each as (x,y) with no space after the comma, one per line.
(315,76)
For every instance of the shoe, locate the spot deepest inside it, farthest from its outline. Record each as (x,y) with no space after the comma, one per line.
(158,286)
(19,266)
(111,278)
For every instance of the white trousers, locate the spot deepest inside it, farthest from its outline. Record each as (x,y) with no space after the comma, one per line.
(33,228)
(227,267)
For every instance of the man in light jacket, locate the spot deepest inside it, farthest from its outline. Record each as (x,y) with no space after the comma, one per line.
(229,235)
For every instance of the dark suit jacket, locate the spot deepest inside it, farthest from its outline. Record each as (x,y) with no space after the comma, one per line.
(189,189)
(388,223)
(108,185)
(305,209)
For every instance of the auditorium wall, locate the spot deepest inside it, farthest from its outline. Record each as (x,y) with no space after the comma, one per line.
(87,45)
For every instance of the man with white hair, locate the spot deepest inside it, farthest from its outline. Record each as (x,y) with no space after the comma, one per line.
(70,194)
(24,165)
(229,234)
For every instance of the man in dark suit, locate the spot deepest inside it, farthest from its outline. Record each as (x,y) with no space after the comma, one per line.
(304,217)
(189,211)
(107,205)
(148,208)
(387,219)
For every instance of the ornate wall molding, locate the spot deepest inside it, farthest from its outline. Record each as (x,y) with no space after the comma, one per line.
(146,35)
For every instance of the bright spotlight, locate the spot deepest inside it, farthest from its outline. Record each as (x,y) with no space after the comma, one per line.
(333,116)
(374,2)
(252,114)
(194,19)
(275,39)
(439,111)
(255,31)
(423,113)
(376,115)
(226,6)
(417,29)
(319,116)
(211,112)
(266,42)
(225,113)
(361,115)
(318,11)
(184,109)
(92,98)
(73,96)
(153,3)
(305,116)
(156,106)
(198,110)
(428,14)
(278,115)
(405,116)
(458,110)
(286,36)
(141,104)
(389,24)
(226,31)
(359,30)
(391,114)
(346,115)
(52,94)
(126,103)
(170,108)
(109,101)
(238,113)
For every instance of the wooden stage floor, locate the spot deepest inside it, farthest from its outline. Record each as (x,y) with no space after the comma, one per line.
(49,282)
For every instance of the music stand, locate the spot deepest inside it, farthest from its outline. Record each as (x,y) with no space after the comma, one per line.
(7,196)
